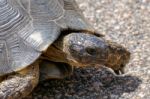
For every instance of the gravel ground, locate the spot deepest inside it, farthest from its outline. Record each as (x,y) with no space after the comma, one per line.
(126,22)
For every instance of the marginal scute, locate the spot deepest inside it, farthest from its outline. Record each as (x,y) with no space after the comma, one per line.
(74,20)
(73,17)
(70,5)
(44,34)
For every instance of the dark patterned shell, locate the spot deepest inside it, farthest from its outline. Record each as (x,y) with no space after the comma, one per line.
(28,27)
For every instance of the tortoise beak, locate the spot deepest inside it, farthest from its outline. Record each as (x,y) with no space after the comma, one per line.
(119,71)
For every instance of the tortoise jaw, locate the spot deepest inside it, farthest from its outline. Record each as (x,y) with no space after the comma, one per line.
(118,57)
(120,70)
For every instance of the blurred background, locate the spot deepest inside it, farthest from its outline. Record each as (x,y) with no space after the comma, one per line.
(126,22)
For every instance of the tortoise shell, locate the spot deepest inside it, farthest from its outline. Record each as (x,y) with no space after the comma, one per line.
(29,27)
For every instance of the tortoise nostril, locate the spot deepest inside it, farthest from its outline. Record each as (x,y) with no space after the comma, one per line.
(91,51)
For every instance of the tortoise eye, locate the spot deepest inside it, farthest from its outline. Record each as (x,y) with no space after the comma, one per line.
(91,51)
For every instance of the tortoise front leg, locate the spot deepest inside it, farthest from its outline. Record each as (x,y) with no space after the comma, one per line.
(19,85)
(54,70)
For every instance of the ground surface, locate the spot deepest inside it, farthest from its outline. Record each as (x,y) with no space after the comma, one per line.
(126,22)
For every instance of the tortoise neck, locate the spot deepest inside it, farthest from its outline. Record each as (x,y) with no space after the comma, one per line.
(55,53)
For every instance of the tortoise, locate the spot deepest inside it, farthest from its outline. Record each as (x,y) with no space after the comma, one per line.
(46,39)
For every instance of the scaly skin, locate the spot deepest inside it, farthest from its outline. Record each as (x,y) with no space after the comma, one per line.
(82,49)
(20,84)
(54,70)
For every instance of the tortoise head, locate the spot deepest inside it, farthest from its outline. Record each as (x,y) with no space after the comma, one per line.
(86,49)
